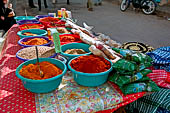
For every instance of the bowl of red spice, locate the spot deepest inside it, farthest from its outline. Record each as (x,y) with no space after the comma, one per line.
(69,38)
(52,73)
(34,41)
(90,70)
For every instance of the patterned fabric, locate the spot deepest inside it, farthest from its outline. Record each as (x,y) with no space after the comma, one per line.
(161,57)
(71,97)
(161,110)
(160,77)
(150,103)
(14,98)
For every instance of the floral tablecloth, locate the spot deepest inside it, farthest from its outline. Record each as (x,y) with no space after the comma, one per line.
(69,97)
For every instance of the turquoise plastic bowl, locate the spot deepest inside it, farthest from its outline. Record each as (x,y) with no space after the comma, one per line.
(89,79)
(39,32)
(64,47)
(46,85)
(18,18)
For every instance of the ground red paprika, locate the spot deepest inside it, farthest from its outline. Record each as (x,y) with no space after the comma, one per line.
(90,64)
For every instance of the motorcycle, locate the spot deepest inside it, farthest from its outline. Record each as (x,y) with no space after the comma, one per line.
(147,6)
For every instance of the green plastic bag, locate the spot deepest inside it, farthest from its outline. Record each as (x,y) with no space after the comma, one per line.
(148,86)
(124,65)
(121,80)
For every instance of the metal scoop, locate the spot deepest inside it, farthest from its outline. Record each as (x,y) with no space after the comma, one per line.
(41,73)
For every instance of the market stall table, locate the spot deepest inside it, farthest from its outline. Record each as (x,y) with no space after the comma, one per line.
(69,97)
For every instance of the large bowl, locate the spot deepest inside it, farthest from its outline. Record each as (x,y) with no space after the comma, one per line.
(27,22)
(28,53)
(42,16)
(46,85)
(18,18)
(31,26)
(77,37)
(45,21)
(89,79)
(65,47)
(39,32)
(28,38)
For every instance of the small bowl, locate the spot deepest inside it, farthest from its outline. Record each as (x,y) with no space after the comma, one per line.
(27,38)
(39,32)
(89,79)
(23,59)
(65,47)
(18,18)
(31,26)
(46,85)
(27,22)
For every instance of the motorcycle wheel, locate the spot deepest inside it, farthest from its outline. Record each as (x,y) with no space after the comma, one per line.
(151,7)
(124,5)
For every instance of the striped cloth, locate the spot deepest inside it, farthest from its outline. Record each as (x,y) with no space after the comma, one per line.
(161,58)
(161,55)
(151,103)
(160,77)
(162,110)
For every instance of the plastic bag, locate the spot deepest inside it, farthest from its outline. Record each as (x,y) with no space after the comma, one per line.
(121,80)
(148,86)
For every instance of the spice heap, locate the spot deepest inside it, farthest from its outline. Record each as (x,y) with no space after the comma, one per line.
(27,26)
(31,71)
(35,41)
(30,52)
(29,34)
(69,39)
(75,51)
(90,64)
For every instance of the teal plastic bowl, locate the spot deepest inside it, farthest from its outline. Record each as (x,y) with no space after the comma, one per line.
(65,47)
(90,79)
(39,32)
(46,85)
(18,18)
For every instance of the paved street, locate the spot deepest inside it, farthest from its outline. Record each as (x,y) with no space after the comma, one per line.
(108,19)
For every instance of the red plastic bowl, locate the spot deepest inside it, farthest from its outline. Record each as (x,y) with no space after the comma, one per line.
(57,24)
(77,39)
(31,26)
(47,20)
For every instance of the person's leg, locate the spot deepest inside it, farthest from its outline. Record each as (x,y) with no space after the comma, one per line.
(90,5)
(39,4)
(95,2)
(68,2)
(45,3)
(99,2)
(31,4)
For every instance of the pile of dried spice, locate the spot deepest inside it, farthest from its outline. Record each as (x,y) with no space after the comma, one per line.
(31,71)
(90,64)
(35,41)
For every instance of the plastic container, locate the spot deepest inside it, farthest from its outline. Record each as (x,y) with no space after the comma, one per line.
(77,37)
(89,79)
(65,47)
(47,20)
(28,38)
(18,18)
(42,16)
(31,26)
(46,85)
(20,58)
(39,32)
(57,24)
(27,22)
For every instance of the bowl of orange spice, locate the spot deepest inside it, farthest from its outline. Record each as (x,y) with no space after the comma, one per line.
(34,41)
(90,70)
(52,70)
